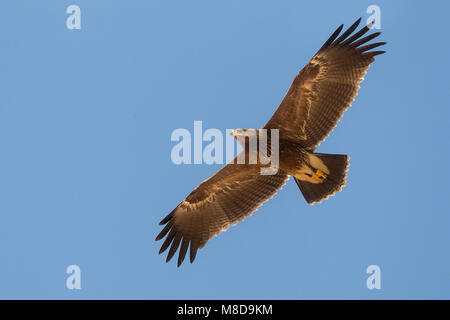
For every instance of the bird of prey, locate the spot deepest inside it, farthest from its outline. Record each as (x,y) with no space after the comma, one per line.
(312,107)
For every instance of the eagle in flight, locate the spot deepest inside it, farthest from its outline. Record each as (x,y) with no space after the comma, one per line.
(313,105)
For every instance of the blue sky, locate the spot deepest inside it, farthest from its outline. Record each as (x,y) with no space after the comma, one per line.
(85,170)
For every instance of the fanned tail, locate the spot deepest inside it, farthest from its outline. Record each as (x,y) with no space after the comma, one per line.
(337,164)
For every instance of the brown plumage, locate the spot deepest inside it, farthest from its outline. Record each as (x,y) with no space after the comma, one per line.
(312,107)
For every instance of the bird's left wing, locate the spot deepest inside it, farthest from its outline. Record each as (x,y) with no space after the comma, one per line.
(224,199)
(325,87)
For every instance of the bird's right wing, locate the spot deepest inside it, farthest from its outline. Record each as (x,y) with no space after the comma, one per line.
(233,193)
(325,87)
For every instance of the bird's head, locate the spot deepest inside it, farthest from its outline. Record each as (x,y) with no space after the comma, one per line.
(244,132)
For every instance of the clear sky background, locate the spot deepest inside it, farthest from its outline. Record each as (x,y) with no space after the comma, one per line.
(85,170)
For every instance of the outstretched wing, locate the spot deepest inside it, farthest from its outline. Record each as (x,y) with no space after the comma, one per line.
(325,88)
(233,193)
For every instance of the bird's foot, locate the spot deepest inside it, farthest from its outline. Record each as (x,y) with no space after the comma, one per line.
(319,176)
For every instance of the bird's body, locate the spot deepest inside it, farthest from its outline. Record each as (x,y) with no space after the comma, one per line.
(312,107)
(294,159)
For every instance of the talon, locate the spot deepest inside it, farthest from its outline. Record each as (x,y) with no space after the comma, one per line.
(320,175)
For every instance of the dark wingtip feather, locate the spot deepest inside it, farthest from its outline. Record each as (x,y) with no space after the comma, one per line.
(167,241)
(193,252)
(374,53)
(365,39)
(332,37)
(167,218)
(174,247)
(357,35)
(163,232)
(346,39)
(371,46)
(183,250)
(348,31)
